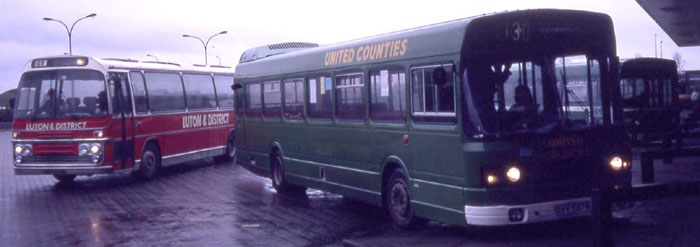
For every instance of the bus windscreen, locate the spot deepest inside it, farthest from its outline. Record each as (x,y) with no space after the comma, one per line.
(61,94)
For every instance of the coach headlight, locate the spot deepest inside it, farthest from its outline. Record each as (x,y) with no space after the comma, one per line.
(616,163)
(83,148)
(95,148)
(513,174)
(18,149)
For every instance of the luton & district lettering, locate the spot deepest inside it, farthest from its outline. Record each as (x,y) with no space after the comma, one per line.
(194,121)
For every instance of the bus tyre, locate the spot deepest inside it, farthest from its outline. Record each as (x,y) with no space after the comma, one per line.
(398,202)
(279,182)
(150,163)
(230,152)
(64,178)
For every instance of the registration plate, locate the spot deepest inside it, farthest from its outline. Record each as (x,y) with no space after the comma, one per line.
(572,208)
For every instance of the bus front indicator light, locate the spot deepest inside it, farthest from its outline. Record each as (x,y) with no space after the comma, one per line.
(513,174)
(18,159)
(15,135)
(491,179)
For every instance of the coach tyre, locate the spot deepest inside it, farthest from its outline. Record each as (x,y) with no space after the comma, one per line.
(150,163)
(398,201)
(277,175)
(230,153)
(64,178)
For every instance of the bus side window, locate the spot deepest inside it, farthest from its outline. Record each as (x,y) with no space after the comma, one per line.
(224,94)
(388,95)
(253,100)
(140,97)
(320,106)
(433,101)
(165,93)
(349,96)
(200,91)
(123,103)
(294,98)
(272,98)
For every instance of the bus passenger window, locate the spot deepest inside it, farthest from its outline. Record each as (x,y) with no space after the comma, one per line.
(224,94)
(294,98)
(200,91)
(272,98)
(140,98)
(254,102)
(388,95)
(350,101)
(433,101)
(165,92)
(320,106)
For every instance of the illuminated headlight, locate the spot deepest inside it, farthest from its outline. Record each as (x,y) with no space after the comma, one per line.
(23,149)
(18,149)
(95,148)
(513,174)
(616,163)
(83,148)
(491,179)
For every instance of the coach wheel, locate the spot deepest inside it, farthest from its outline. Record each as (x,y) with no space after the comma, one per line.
(279,182)
(230,153)
(64,178)
(398,202)
(150,164)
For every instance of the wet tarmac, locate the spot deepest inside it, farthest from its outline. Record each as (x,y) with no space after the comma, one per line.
(207,204)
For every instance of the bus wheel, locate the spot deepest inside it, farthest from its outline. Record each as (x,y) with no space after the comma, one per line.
(149,163)
(65,178)
(277,175)
(230,153)
(398,202)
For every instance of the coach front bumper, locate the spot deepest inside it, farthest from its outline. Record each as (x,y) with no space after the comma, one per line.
(527,213)
(63,169)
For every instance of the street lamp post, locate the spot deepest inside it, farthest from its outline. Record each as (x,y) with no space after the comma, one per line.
(149,55)
(70,31)
(205,44)
(217,57)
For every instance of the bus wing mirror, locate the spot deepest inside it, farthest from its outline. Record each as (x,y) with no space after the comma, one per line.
(439,76)
(236,86)
(12,103)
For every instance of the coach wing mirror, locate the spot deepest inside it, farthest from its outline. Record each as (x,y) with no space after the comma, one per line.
(439,76)
(12,103)
(236,86)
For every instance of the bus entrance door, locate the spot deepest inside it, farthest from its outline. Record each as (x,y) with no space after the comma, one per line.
(123,123)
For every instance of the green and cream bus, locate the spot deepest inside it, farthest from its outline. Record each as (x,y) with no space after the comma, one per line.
(466,122)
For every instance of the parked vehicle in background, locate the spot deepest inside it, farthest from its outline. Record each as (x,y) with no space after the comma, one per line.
(78,115)
(650,98)
(469,122)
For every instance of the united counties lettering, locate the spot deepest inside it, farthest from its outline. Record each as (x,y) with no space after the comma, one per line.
(56,126)
(204,120)
(389,49)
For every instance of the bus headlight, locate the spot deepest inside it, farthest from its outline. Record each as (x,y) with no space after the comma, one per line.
(18,149)
(616,163)
(491,179)
(23,149)
(83,148)
(513,174)
(95,148)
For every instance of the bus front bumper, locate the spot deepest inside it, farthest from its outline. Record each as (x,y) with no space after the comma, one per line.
(62,169)
(528,213)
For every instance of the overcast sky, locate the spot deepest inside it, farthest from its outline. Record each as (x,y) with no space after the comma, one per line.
(132,29)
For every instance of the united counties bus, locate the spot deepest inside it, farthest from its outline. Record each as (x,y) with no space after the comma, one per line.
(462,122)
(78,115)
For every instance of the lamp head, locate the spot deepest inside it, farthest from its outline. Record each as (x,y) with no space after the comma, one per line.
(223,32)
(48,19)
(91,15)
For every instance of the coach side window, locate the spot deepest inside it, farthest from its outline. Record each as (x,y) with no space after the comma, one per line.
(294,98)
(320,105)
(223,91)
(253,100)
(433,93)
(388,95)
(350,100)
(272,98)
(165,92)
(200,91)
(140,97)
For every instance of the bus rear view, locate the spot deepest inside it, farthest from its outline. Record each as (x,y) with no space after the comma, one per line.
(61,111)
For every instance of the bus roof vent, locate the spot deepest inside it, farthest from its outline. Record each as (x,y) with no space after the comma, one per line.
(220,66)
(273,49)
(159,62)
